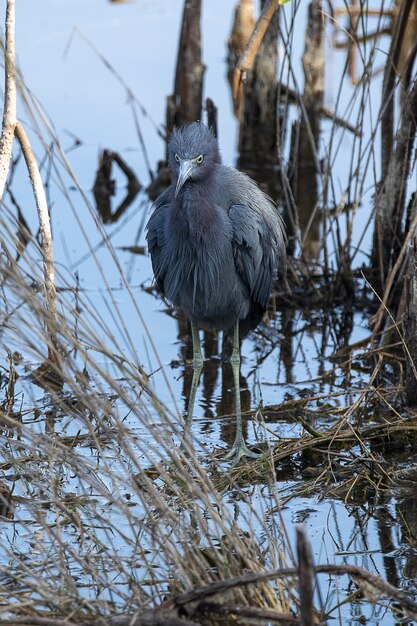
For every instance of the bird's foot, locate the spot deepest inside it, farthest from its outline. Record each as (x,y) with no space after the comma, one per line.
(240,450)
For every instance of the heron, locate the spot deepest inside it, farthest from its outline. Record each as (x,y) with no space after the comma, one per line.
(215,241)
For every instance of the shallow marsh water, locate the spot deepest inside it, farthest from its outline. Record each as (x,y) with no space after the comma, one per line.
(288,359)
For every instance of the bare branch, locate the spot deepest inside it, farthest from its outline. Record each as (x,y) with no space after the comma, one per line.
(45,228)
(9,110)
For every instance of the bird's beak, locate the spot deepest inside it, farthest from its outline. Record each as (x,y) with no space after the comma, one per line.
(186,167)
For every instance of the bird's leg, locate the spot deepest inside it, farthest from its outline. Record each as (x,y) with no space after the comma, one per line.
(197,365)
(239,448)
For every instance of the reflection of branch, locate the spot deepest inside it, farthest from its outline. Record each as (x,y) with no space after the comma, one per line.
(132,181)
(9,110)
(104,186)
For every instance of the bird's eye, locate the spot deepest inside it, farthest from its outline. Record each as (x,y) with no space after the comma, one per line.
(199,159)
(177,158)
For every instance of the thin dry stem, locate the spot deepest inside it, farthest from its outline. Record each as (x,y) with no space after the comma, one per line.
(44,221)
(9,109)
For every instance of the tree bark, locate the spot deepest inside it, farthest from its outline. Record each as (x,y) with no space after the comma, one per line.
(186,104)
(258,128)
(306,189)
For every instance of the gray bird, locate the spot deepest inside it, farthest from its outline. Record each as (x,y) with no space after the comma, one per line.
(215,240)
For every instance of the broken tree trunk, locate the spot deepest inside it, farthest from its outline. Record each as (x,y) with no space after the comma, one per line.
(307,160)
(410,323)
(389,83)
(243,25)
(388,214)
(391,196)
(258,128)
(185,105)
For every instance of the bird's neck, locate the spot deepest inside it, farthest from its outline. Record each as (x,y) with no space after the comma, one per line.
(195,207)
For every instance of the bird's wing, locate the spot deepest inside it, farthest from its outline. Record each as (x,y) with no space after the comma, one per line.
(155,237)
(256,244)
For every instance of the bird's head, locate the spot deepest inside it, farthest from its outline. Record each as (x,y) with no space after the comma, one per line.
(193,153)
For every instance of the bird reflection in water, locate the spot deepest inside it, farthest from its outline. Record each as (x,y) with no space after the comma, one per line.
(215,241)
(217,401)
